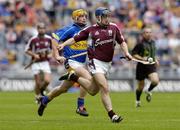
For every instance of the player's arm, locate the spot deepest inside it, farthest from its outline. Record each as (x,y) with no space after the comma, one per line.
(146,59)
(55,52)
(28,50)
(137,56)
(125,50)
(32,54)
(120,40)
(82,35)
(66,43)
(136,53)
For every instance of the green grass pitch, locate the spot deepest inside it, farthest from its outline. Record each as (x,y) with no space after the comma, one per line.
(18,111)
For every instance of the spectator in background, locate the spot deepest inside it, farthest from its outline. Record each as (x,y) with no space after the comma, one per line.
(49,9)
(161,14)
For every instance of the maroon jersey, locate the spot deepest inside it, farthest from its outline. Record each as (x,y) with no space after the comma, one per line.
(41,46)
(103,41)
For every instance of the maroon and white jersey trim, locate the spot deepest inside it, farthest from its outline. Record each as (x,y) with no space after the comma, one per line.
(103,40)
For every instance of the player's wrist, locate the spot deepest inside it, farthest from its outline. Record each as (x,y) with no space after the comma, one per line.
(128,56)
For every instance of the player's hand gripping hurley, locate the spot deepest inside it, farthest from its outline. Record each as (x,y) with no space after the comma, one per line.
(140,61)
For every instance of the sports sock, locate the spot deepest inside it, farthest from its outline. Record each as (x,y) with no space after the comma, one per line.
(45,100)
(111,114)
(80,102)
(138,94)
(74,77)
(151,87)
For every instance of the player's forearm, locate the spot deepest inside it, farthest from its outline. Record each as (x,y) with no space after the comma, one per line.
(136,56)
(124,48)
(69,42)
(30,53)
(55,51)
(55,54)
(66,43)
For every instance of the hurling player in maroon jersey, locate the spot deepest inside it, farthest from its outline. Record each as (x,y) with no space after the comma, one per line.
(39,48)
(104,35)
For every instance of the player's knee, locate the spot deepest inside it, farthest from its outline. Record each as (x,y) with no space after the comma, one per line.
(89,78)
(93,90)
(103,87)
(155,81)
(93,93)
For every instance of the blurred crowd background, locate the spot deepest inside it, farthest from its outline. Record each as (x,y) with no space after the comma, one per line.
(18,19)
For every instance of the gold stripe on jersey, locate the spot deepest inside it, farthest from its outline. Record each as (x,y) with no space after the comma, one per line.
(55,36)
(81,45)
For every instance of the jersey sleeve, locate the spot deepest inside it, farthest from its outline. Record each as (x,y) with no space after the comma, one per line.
(61,35)
(55,36)
(119,36)
(82,35)
(29,44)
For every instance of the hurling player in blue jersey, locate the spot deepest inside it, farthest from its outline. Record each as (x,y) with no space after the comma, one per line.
(80,19)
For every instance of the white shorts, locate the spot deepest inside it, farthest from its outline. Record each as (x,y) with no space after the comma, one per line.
(41,66)
(75,64)
(97,66)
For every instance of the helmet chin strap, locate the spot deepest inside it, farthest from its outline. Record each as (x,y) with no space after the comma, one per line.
(99,21)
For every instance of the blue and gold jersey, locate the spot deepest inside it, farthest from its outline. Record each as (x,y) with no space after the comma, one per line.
(63,34)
